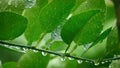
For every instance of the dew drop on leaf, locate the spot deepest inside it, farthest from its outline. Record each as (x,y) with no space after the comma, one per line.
(70,58)
(103,62)
(96,63)
(35,51)
(44,54)
(79,61)
(24,50)
(30,3)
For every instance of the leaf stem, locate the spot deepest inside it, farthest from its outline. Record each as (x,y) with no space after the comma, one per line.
(39,40)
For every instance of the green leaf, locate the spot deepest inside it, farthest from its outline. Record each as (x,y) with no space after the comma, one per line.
(10,65)
(102,36)
(80,27)
(58,46)
(11,25)
(54,14)
(86,23)
(88,5)
(33,60)
(32,32)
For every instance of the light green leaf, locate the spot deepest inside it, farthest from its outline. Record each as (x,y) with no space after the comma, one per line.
(33,60)
(55,13)
(80,25)
(32,32)
(11,25)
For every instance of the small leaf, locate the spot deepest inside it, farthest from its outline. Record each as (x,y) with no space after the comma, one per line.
(32,32)
(33,60)
(11,25)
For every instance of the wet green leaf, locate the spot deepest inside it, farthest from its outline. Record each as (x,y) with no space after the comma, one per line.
(32,32)
(33,60)
(80,27)
(11,25)
(55,13)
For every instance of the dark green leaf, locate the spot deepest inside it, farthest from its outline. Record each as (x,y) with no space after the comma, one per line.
(10,65)
(32,32)
(86,24)
(33,60)
(80,25)
(7,55)
(102,36)
(11,25)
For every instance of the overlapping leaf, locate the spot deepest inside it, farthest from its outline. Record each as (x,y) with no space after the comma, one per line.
(11,25)
(86,23)
(32,32)
(54,13)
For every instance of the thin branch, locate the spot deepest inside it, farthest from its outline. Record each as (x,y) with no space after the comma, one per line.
(57,54)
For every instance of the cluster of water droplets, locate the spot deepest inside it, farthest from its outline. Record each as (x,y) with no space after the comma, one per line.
(26,3)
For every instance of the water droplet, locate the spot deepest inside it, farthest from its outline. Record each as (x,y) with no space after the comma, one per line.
(79,61)
(62,59)
(44,54)
(96,63)
(70,58)
(30,3)
(106,61)
(24,50)
(35,51)
(102,62)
